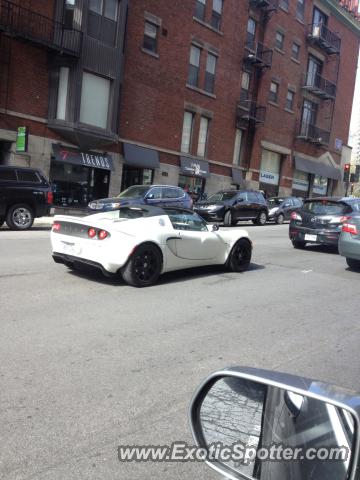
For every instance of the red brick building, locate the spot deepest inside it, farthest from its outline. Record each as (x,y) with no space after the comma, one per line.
(205,94)
(261,88)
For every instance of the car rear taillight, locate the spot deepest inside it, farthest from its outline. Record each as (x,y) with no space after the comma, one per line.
(56,227)
(350,228)
(102,235)
(296,216)
(50,198)
(91,233)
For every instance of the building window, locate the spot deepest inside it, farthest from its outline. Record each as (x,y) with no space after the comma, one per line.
(274,92)
(69,14)
(95,96)
(295,51)
(319,17)
(237,160)
(290,100)
(279,40)
(62,93)
(313,71)
(210,73)
(102,20)
(150,37)
(187,132)
(195,53)
(308,117)
(216,14)
(284,4)
(300,9)
(251,31)
(203,136)
(245,86)
(200,8)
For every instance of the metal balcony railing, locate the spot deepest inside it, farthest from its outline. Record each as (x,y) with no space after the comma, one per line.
(319,86)
(249,111)
(267,5)
(320,34)
(314,134)
(257,54)
(24,23)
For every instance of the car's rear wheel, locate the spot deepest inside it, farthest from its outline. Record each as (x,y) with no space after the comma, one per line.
(280,219)
(20,217)
(229,219)
(261,218)
(240,256)
(298,244)
(144,266)
(355,264)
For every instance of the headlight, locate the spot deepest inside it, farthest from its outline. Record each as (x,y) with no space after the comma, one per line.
(213,207)
(114,205)
(96,206)
(273,210)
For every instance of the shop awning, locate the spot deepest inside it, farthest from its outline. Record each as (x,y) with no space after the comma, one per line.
(87,159)
(237,177)
(317,168)
(141,157)
(194,166)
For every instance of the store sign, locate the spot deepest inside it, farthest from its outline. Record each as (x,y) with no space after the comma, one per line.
(194,167)
(299,184)
(87,159)
(268,177)
(320,189)
(22,139)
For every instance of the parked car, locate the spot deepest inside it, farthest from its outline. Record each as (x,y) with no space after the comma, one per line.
(281,208)
(142,242)
(320,220)
(231,206)
(24,195)
(349,243)
(244,420)
(155,195)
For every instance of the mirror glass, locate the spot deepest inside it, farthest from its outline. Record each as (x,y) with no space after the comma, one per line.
(264,432)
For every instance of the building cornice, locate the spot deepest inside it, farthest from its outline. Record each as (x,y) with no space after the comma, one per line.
(342,15)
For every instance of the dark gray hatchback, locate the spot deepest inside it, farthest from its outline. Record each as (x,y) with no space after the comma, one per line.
(320,220)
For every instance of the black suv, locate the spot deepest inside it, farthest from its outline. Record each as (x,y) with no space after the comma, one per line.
(24,194)
(231,206)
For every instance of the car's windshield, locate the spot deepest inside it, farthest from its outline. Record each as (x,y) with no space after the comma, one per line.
(275,201)
(325,207)
(221,196)
(137,191)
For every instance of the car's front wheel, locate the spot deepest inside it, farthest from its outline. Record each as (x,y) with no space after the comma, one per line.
(240,256)
(355,264)
(144,266)
(298,244)
(20,217)
(261,218)
(280,219)
(229,219)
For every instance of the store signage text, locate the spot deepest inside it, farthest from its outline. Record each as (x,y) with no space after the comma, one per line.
(300,184)
(268,177)
(94,160)
(195,169)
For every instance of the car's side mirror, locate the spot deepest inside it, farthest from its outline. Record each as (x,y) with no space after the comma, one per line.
(287,205)
(239,200)
(257,424)
(215,227)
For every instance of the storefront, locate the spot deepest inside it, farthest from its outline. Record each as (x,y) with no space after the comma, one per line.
(78,177)
(139,166)
(192,178)
(320,177)
(270,173)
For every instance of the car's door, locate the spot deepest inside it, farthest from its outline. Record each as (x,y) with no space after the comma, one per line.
(241,208)
(254,205)
(193,240)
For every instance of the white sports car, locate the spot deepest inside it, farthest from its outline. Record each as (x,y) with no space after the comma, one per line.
(142,242)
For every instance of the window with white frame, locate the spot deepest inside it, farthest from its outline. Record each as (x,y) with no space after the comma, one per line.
(274,92)
(200,9)
(187,132)
(238,149)
(216,14)
(150,37)
(194,67)
(210,73)
(63,87)
(95,97)
(203,136)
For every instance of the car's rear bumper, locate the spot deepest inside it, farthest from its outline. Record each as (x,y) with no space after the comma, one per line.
(72,260)
(323,237)
(349,246)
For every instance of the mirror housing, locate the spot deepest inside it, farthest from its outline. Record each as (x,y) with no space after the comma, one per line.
(257,409)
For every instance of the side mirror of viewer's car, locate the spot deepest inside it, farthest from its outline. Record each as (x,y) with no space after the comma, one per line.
(258,424)
(215,227)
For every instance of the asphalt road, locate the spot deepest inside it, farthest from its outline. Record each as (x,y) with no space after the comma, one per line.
(87,364)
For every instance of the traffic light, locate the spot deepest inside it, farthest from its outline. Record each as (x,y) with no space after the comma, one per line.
(346,172)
